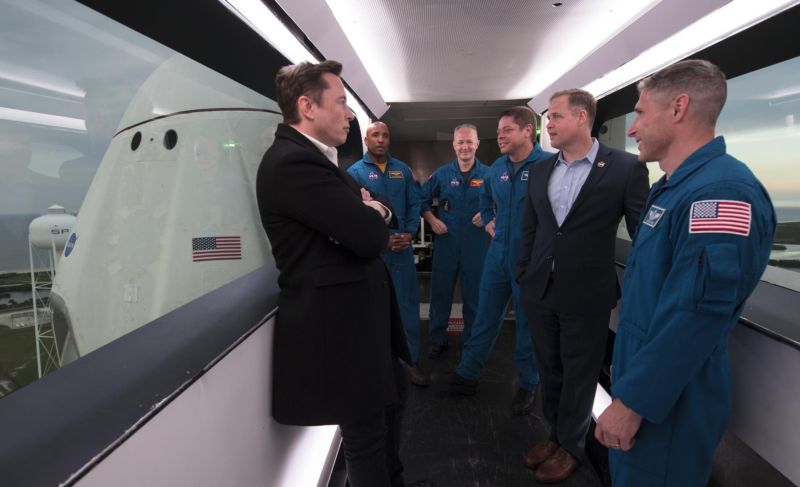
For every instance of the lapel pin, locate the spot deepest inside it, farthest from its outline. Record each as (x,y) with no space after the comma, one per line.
(601,164)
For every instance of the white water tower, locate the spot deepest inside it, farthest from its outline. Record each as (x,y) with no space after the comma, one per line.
(48,234)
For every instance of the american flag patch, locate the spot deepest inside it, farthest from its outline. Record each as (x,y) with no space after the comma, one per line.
(720,216)
(216,248)
(455,326)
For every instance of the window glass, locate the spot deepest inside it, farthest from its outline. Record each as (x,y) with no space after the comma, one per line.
(144,163)
(761,126)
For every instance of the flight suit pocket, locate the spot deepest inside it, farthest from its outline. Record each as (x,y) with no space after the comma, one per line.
(333,275)
(722,271)
(716,279)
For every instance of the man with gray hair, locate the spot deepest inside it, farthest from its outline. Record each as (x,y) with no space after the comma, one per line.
(699,252)
(460,244)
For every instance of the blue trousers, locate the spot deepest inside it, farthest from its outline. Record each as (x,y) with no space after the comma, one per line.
(404,278)
(497,286)
(452,257)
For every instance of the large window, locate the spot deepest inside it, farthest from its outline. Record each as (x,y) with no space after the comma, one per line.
(155,154)
(761,126)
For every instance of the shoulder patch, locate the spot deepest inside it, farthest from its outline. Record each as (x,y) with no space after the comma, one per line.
(653,216)
(720,216)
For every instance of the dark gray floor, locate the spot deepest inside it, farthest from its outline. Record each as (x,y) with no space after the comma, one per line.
(456,441)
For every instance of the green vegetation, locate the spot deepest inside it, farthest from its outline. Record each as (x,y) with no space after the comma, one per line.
(20,281)
(22,305)
(17,358)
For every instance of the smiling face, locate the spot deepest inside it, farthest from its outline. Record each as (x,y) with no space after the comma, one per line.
(651,128)
(465,143)
(511,138)
(332,116)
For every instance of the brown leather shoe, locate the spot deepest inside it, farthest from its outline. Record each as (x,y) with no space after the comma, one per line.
(556,468)
(539,453)
(417,376)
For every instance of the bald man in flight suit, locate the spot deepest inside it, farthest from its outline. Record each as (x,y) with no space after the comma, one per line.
(391,178)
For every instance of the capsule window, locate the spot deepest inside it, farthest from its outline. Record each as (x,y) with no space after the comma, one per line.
(170,139)
(136,140)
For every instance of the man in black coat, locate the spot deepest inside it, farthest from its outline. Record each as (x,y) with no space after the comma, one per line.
(566,270)
(338,334)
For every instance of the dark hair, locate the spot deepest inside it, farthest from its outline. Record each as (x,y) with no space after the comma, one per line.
(302,79)
(522,116)
(703,81)
(579,99)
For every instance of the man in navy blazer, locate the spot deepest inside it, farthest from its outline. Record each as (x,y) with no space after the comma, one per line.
(566,270)
(338,335)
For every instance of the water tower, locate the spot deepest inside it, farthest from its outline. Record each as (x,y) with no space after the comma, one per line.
(47,236)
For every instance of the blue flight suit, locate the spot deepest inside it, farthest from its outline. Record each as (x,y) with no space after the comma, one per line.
(461,250)
(688,275)
(502,200)
(398,184)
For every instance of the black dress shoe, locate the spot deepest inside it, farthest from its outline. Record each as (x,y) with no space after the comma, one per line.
(522,403)
(462,385)
(417,376)
(438,350)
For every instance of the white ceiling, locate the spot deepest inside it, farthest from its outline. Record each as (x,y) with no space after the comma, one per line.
(442,56)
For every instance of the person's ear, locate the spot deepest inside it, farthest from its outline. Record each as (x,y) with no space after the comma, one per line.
(680,107)
(306,107)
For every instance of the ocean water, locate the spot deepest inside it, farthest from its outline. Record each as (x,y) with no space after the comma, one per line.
(788,214)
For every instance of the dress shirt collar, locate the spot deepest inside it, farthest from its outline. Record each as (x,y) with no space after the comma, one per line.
(590,156)
(330,152)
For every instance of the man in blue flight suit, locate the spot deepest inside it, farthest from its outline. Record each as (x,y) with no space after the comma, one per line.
(460,245)
(384,175)
(502,203)
(701,248)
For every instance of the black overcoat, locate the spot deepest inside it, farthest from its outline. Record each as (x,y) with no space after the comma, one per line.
(338,331)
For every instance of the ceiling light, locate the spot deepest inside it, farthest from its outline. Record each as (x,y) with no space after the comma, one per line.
(41,81)
(591,28)
(716,26)
(46,119)
(261,19)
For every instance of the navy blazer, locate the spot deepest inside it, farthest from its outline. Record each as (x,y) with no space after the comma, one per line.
(583,277)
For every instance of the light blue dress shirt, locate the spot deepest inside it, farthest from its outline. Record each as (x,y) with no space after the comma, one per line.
(566,181)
